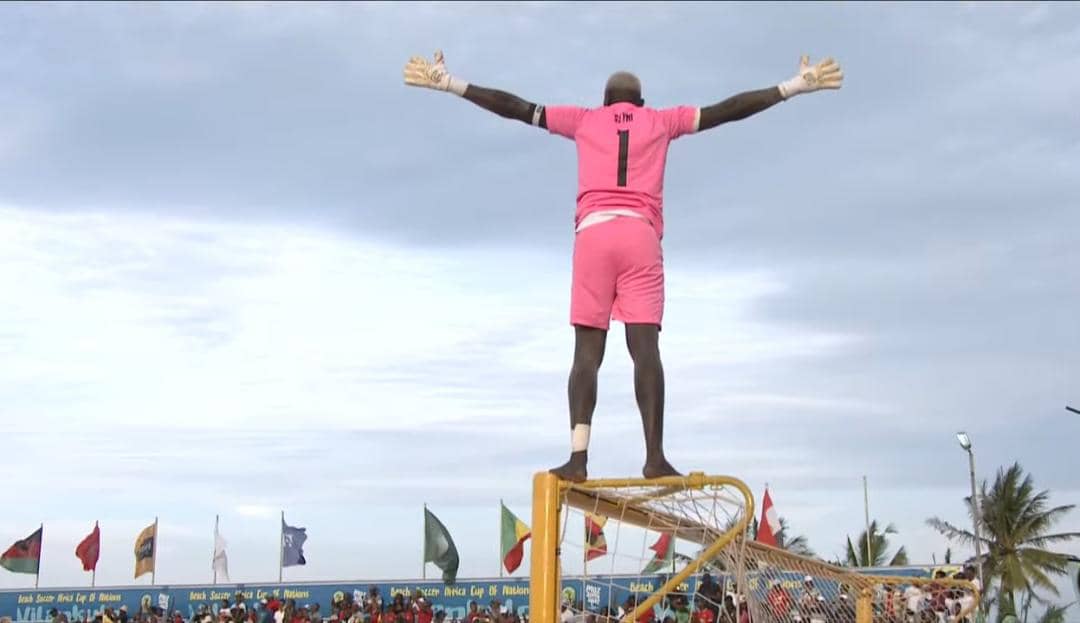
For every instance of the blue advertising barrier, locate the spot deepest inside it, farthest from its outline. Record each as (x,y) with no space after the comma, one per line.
(594,593)
(29,606)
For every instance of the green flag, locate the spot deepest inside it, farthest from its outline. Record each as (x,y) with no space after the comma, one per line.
(512,541)
(439,547)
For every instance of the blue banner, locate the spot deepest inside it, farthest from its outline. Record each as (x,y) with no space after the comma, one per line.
(593,593)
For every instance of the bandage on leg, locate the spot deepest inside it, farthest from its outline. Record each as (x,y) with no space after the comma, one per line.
(579,438)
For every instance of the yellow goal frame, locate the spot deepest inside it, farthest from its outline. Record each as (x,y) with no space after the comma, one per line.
(595,496)
(549,492)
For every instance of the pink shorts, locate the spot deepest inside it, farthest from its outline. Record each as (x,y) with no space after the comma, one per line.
(618,273)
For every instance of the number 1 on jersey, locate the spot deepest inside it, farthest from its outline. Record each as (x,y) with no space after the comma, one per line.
(624,154)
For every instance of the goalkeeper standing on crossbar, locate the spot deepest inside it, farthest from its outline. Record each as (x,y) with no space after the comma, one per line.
(618,265)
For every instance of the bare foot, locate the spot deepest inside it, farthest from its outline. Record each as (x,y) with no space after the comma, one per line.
(574,469)
(657,468)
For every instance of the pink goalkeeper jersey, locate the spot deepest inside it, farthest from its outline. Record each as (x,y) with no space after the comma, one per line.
(622,151)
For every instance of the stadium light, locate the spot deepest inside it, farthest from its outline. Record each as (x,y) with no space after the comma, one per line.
(965,443)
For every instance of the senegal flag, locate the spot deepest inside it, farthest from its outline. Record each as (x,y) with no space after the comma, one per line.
(514,535)
(24,556)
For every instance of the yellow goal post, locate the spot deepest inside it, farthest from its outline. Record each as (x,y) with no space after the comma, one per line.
(712,513)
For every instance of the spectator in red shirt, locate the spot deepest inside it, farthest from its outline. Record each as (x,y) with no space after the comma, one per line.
(423,609)
(744,610)
(779,601)
(702,613)
(474,613)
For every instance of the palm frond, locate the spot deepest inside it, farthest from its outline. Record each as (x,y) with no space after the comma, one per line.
(1053,614)
(950,531)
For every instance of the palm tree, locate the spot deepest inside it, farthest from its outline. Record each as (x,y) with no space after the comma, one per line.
(1015,524)
(799,545)
(1054,614)
(794,544)
(857,556)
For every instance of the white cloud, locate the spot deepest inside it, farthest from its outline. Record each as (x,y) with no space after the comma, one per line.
(126,320)
(264,296)
(171,351)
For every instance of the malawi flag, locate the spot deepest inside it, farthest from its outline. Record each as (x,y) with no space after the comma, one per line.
(24,556)
(88,549)
(664,554)
(595,543)
(514,535)
(439,548)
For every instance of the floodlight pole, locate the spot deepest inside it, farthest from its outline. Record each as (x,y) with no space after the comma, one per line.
(965,443)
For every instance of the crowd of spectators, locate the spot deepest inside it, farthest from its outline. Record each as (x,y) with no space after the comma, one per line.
(368,607)
(934,602)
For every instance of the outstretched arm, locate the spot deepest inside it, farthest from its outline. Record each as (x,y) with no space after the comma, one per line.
(825,75)
(506,105)
(739,107)
(433,75)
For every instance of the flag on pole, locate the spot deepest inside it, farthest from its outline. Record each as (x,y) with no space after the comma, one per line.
(663,554)
(88,549)
(595,543)
(221,561)
(292,545)
(146,550)
(439,547)
(514,535)
(769,526)
(24,555)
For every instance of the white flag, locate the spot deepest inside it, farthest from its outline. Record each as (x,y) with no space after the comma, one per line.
(221,561)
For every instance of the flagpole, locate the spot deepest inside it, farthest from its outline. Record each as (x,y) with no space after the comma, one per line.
(93,572)
(585,551)
(153,570)
(672,547)
(585,560)
(866,508)
(500,537)
(423,554)
(281,549)
(37,575)
(213,554)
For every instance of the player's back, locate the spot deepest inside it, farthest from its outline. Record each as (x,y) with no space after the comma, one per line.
(622,152)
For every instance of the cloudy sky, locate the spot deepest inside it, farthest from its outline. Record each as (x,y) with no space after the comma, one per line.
(244,269)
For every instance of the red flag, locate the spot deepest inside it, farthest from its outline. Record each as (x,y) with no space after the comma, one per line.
(88,549)
(595,543)
(662,544)
(769,524)
(664,554)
